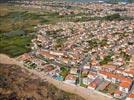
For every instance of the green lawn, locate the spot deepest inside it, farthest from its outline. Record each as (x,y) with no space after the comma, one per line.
(14,45)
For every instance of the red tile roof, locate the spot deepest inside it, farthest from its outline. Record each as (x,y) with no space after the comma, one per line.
(125,84)
(118,92)
(95,83)
(131,71)
(25,56)
(116,76)
(70,77)
(46,54)
(91,74)
(112,67)
(131,95)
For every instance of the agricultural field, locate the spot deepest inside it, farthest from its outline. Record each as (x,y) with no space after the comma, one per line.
(16,26)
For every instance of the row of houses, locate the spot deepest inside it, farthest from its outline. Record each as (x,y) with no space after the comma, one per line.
(125,83)
(95,77)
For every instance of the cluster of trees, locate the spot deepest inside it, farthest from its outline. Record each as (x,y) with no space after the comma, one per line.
(106,60)
(112,17)
(125,56)
(64,71)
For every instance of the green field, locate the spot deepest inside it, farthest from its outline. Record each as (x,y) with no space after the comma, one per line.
(14,45)
(16,24)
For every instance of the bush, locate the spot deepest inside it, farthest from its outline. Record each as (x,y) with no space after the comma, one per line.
(112,17)
(64,71)
(106,60)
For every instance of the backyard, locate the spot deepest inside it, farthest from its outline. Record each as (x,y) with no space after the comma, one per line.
(110,89)
(64,71)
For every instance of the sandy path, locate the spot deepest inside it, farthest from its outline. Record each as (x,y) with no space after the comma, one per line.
(83,92)
(4,59)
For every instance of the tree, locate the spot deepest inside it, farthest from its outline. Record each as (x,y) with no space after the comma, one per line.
(112,17)
(106,60)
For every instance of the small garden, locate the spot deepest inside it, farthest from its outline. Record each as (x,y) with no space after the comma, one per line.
(110,89)
(64,71)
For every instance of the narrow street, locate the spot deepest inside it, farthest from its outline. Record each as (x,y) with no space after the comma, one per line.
(83,62)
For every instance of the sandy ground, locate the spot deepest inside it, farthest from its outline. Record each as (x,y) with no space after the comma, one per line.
(4,59)
(85,93)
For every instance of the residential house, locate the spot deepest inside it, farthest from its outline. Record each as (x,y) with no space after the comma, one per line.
(45,54)
(86,81)
(85,72)
(94,84)
(125,83)
(130,96)
(125,86)
(96,68)
(86,67)
(71,79)
(73,71)
(56,53)
(119,70)
(108,76)
(103,85)
(117,94)
(24,57)
(118,62)
(109,68)
(129,73)
(65,60)
(113,77)
(92,75)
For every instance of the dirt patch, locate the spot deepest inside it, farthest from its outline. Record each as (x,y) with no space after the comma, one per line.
(16,84)
(4,59)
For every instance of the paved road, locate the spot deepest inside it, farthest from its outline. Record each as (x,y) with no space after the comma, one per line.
(84,62)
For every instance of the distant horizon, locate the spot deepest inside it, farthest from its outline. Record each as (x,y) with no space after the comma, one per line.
(84,1)
(112,1)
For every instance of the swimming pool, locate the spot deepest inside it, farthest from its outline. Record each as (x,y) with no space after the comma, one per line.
(59,78)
